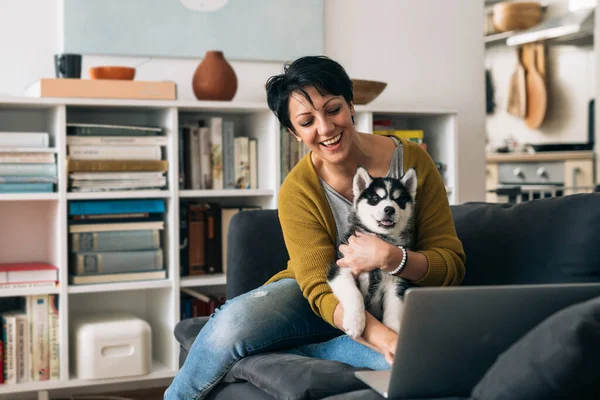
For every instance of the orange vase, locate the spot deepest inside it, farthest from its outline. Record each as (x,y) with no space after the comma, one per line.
(214,78)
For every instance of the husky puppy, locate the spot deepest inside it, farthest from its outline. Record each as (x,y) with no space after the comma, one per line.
(384,207)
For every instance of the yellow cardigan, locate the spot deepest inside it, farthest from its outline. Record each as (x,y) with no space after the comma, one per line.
(309,230)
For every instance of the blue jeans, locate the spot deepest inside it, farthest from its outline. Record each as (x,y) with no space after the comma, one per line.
(273,317)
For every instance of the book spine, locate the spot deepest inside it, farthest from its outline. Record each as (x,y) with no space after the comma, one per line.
(181,159)
(32,158)
(53,337)
(28,179)
(117,165)
(115,153)
(24,139)
(26,187)
(115,241)
(23,349)
(28,170)
(242,168)
(107,176)
(205,158)
(216,139)
(213,239)
(183,240)
(10,350)
(117,140)
(108,131)
(229,165)
(196,238)
(117,261)
(26,285)
(194,157)
(38,314)
(116,207)
(253,163)
(2,353)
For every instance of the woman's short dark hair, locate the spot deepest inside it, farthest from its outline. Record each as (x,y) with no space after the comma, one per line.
(324,74)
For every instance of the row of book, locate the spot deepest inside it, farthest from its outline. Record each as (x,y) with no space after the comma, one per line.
(116,241)
(30,340)
(196,304)
(291,151)
(214,154)
(115,157)
(203,230)
(388,127)
(27,163)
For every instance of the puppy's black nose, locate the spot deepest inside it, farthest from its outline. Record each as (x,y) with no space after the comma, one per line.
(389,210)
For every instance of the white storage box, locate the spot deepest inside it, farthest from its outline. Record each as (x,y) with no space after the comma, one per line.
(110,345)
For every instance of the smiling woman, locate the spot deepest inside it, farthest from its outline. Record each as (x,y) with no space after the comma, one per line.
(313,99)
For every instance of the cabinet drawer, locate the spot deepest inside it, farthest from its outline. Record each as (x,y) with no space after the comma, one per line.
(532,173)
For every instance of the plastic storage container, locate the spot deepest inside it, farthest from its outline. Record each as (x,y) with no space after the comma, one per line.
(110,346)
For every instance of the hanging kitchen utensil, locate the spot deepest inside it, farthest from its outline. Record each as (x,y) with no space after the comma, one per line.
(540,54)
(517,91)
(537,97)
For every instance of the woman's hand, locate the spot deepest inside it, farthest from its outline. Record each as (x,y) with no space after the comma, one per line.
(363,253)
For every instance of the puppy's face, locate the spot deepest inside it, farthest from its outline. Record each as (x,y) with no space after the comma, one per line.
(384,205)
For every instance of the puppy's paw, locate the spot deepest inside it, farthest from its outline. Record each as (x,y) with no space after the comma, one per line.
(354,323)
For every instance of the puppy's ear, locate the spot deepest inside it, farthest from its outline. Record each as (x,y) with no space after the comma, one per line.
(409,180)
(362,179)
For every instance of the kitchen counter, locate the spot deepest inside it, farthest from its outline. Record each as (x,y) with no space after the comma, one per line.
(541,156)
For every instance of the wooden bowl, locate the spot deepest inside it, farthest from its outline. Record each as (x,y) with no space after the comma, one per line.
(366,91)
(510,16)
(120,73)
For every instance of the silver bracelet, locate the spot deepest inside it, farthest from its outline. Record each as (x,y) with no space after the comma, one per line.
(402,265)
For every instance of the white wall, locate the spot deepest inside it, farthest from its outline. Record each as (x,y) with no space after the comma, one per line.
(431,54)
(428,58)
(30,36)
(571,84)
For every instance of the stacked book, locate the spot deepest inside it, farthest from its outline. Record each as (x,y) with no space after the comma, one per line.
(116,241)
(30,339)
(115,157)
(214,154)
(27,163)
(27,275)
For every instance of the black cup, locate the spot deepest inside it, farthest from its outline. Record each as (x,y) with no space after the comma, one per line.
(67,65)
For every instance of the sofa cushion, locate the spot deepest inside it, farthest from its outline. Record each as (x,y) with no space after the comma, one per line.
(291,377)
(556,359)
(542,241)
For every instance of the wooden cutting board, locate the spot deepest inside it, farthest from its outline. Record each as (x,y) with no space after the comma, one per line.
(537,96)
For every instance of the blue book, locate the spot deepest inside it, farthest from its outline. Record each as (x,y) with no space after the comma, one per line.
(28,170)
(228,158)
(26,187)
(28,179)
(148,239)
(111,262)
(116,207)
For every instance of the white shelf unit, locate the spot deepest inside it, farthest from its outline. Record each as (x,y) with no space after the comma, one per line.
(35,225)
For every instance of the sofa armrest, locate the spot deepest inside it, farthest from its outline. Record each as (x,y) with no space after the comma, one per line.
(187,330)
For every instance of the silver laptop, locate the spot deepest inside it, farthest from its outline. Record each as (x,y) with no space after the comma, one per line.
(450,336)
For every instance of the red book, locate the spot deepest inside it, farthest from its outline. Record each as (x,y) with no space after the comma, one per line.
(28,272)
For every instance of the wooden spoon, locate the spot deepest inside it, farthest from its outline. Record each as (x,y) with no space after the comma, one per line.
(537,96)
(517,96)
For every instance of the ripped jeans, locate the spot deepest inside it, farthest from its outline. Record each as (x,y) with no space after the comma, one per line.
(273,317)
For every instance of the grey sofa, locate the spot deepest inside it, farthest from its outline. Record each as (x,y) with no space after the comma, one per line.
(542,241)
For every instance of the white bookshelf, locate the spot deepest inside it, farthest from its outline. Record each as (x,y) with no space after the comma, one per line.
(34,226)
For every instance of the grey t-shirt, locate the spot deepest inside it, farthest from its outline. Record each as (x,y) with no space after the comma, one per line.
(341,206)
